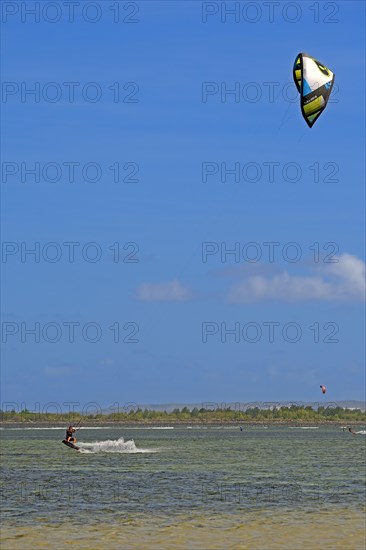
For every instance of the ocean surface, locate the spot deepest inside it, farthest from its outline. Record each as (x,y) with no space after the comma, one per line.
(265,488)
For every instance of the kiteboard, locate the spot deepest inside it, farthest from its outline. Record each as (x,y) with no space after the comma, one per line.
(70,444)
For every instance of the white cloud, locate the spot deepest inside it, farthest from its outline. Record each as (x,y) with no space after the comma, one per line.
(171,291)
(106,362)
(57,371)
(342,281)
(352,271)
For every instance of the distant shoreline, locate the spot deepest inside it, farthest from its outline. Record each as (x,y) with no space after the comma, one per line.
(117,423)
(294,415)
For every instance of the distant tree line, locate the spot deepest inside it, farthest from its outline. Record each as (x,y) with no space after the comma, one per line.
(292,413)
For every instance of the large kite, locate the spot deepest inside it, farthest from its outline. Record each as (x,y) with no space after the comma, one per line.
(314,83)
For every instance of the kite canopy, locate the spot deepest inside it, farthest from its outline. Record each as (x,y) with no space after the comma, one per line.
(314,83)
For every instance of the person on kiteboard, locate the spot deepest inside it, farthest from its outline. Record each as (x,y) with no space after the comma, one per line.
(69,434)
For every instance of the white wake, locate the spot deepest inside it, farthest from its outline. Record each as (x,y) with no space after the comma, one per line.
(112,446)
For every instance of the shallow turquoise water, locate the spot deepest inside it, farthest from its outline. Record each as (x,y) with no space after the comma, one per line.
(181,472)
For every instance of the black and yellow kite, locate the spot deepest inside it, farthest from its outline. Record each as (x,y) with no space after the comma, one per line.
(314,82)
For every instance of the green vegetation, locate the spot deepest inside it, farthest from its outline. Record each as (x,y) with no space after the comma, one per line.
(293,413)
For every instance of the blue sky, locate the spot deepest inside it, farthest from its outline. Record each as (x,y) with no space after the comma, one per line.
(170,295)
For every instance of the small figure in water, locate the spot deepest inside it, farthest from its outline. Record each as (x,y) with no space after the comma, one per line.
(352,432)
(241,428)
(69,434)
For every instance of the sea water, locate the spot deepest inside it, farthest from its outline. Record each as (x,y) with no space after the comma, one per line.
(266,487)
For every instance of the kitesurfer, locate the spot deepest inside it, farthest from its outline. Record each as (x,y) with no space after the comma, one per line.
(69,434)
